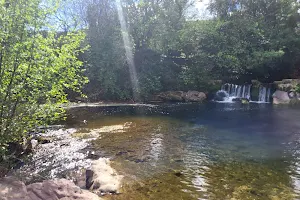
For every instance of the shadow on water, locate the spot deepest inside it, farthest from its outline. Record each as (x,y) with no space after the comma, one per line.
(192,151)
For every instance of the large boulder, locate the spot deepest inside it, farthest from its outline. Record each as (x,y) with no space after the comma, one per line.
(173,96)
(194,96)
(12,189)
(281,97)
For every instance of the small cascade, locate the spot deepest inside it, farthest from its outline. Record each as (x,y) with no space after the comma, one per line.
(269,95)
(238,91)
(264,95)
(231,92)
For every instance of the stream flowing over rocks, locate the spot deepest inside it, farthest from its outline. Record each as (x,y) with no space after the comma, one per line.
(65,165)
(57,158)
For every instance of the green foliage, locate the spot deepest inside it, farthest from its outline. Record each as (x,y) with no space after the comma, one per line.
(107,68)
(37,66)
(298,88)
(152,27)
(245,40)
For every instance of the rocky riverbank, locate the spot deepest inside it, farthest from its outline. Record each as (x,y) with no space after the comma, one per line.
(13,189)
(66,166)
(179,96)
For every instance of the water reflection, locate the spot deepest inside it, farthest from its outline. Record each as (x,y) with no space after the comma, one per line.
(156,147)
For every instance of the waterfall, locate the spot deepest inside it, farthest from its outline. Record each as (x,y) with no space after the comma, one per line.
(249,92)
(229,92)
(238,91)
(264,94)
(269,95)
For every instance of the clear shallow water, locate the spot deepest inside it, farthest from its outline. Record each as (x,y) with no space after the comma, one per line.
(211,151)
(191,151)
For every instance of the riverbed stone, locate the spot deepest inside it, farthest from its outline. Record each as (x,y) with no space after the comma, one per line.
(13,189)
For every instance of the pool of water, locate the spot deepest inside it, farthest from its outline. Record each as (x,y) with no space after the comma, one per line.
(192,151)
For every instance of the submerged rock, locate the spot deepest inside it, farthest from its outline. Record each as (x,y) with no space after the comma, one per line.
(102,177)
(13,189)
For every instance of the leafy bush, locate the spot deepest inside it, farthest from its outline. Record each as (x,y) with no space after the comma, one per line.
(298,88)
(36,66)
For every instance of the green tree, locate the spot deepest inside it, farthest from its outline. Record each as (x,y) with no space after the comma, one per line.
(269,30)
(107,68)
(37,66)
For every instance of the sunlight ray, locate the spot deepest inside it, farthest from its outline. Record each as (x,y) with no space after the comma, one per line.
(129,52)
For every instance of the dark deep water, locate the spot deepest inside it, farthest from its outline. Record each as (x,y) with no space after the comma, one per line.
(192,151)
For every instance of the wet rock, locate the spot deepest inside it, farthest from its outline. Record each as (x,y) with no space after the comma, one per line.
(102,177)
(89,181)
(58,189)
(221,95)
(12,189)
(194,96)
(44,140)
(292,94)
(178,173)
(15,148)
(281,97)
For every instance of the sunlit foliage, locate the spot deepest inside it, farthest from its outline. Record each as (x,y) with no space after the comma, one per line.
(37,65)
